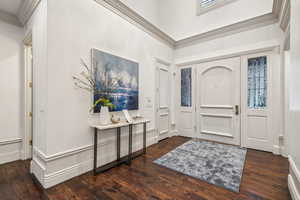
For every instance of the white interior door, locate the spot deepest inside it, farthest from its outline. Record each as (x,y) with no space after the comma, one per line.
(218,89)
(163,99)
(256,107)
(186,107)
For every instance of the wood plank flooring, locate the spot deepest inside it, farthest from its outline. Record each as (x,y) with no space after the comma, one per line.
(265,177)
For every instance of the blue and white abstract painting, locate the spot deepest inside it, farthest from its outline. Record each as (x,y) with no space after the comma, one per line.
(117,79)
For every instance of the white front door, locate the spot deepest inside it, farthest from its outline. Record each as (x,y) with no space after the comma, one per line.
(163,99)
(218,105)
(256,107)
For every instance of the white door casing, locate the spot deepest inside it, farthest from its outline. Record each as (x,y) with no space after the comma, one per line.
(218,101)
(163,99)
(186,114)
(28,87)
(257,123)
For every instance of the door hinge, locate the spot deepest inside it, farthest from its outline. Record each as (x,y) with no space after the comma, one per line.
(30,114)
(30,84)
(30,142)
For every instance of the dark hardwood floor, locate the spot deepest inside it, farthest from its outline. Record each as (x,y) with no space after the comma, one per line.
(265,177)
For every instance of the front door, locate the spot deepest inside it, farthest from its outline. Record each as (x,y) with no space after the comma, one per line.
(218,104)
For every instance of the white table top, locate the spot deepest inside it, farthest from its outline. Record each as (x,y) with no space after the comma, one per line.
(119,125)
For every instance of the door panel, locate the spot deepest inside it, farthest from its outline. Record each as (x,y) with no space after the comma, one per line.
(256,107)
(218,102)
(163,91)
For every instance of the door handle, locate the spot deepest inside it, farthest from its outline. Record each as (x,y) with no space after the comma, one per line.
(237,110)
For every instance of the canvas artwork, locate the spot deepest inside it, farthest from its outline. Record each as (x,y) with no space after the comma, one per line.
(117,79)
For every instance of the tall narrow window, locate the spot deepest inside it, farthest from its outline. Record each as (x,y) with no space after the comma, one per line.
(204,6)
(186,87)
(257,82)
(207,3)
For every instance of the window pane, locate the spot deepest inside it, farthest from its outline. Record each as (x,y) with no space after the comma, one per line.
(186,87)
(257,82)
(207,3)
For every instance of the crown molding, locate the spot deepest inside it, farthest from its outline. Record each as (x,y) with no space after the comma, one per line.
(277,7)
(130,15)
(26,10)
(10,19)
(287,39)
(249,24)
(285,15)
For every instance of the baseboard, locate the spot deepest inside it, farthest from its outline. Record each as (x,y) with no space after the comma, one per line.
(174,133)
(64,166)
(10,150)
(279,150)
(294,180)
(9,157)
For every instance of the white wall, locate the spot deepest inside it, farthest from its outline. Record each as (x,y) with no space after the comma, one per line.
(293,113)
(83,25)
(147,9)
(248,40)
(178,17)
(73,28)
(11,83)
(37,26)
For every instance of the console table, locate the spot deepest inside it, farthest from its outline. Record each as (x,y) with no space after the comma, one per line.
(126,159)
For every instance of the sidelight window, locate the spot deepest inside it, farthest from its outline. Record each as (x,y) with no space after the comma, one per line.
(257,82)
(186,87)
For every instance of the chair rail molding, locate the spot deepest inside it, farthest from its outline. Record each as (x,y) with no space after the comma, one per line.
(57,168)
(10,141)
(294,180)
(133,17)
(27,9)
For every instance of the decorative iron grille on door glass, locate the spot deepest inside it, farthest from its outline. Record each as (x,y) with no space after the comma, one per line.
(257,82)
(186,87)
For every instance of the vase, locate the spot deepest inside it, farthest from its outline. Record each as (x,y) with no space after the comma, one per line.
(104,116)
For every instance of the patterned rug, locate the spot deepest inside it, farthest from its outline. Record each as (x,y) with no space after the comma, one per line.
(215,163)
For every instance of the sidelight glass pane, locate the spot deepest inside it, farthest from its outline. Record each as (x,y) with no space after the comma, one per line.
(186,87)
(257,82)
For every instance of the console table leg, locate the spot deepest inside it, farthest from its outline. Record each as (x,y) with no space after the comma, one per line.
(130,144)
(95,150)
(144,138)
(118,143)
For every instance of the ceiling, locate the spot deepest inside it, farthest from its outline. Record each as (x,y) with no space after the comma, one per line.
(10,6)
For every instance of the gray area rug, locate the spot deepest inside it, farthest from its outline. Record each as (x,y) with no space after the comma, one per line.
(215,163)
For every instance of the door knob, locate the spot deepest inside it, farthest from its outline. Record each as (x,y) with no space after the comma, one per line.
(237,110)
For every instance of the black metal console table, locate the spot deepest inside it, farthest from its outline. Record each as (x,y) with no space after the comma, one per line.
(126,159)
